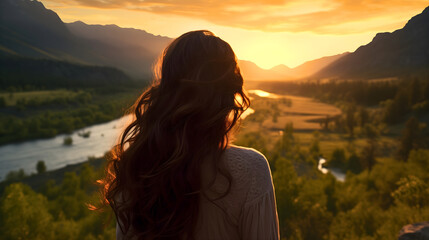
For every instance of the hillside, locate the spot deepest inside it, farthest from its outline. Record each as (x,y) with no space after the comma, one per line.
(117,36)
(404,52)
(45,73)
(30,30)
(311,67)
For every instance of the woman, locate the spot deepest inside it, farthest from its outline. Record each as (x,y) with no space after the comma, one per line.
(174,174)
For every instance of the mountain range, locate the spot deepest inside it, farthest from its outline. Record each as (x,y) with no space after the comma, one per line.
(282,72)
(28,29)
(404,52)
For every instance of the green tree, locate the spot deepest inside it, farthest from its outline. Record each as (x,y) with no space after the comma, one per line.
(287,140)
(412,191)
(354,163)
(369,151)
(41,167)
(24,214)
(315,145)
(395,109)
(15,175)
(350,119)
(415,92)
(409,138)
(363,116)
(285,180)
(2,102)
(338,158)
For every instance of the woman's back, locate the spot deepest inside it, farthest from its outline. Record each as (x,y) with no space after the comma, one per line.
(174,173)
(248,211)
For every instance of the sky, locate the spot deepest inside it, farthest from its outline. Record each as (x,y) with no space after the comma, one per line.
(266,32)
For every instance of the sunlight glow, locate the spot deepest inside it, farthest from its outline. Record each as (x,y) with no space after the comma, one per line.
(266,49)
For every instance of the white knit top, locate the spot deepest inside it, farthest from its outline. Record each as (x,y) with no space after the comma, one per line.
(248,211)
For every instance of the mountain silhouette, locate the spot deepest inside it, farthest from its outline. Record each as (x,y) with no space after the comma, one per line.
(404,52)
(282,72)
(311,67)
(20,72)
(251,71)
(117,36)
(132,50)
(28,29)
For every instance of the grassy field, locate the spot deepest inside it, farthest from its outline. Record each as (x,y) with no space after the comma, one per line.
(272,113)
(46,95)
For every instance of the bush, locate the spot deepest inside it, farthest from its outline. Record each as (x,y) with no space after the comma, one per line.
(68,141)
(40,167)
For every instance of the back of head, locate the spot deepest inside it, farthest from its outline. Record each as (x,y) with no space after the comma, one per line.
(153,180)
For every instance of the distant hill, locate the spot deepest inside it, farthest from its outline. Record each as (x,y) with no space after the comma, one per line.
(251,71)
(130,49)
(120,37)
(404,52)
(21,72)
(311,67)
(29,29)
(282,72)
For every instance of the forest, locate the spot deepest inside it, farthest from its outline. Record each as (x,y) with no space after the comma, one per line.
(380,141)
(43,98)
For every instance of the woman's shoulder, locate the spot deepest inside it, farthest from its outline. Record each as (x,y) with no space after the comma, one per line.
(250,169)
(244,155)
(247,163)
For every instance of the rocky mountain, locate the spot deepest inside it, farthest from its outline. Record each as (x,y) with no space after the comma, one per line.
(404,52)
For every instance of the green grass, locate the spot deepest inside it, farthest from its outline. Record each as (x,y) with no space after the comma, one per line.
(45,95)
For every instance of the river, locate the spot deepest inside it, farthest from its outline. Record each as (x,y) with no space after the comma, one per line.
(340,176)
(102,137)
(55,154)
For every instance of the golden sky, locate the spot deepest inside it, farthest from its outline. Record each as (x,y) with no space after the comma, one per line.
(267,32)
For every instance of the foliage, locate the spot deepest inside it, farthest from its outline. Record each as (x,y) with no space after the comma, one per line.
(68,141)
(379,195)
(56,211)
(41,167)
(39,116)
(410,139)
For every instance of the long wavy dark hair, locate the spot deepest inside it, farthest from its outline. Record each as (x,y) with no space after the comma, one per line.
(153,180)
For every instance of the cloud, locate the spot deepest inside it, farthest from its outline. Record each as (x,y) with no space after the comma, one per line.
(317,16)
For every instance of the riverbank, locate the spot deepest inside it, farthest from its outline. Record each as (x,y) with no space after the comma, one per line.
(33,115)
(37,181)
(57,155)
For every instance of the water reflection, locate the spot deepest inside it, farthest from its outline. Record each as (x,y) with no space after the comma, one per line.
(338,174)
(247,113)
(262,93)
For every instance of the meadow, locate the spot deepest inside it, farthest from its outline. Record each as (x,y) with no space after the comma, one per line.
(41,96)
(308,117)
